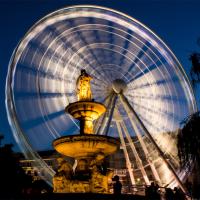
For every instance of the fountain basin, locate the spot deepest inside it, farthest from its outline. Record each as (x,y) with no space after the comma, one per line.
(86,112)
(85,109)
(79,146)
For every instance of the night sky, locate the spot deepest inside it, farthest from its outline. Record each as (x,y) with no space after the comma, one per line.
(176,22)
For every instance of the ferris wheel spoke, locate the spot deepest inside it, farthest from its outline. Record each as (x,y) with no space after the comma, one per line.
(90,52)
(138,57)
(51,54)
(30,123)
(155,68)
(147,85)
(98,75)
(34,95)
(161,97)
(102,76)
(98,63)
(145,71)
(156,110)
(33,71)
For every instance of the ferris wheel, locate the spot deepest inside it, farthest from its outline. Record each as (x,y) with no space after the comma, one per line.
(137,77)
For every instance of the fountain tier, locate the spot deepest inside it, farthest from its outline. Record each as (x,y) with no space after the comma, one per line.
(78,146)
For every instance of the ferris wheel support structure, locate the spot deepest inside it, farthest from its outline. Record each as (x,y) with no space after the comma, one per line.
(97,125)
(129,108)
(104,121)
(128,162)
(155,173)
(121,126)
(111,111)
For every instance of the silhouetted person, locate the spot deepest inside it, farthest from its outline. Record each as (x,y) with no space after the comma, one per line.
(1,138)
(147,192)
(117,186)
(169,194)
(152,192)
(39,187)
(157,193)
(178,194)
(188,185)
(196,190)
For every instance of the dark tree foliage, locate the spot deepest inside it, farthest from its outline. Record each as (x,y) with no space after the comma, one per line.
(189,135)
(12,177)
(195,69)
(189,140)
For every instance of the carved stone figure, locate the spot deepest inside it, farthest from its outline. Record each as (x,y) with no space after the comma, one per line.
(82,170)
(61,184)
(100,175)
(61,180)
(85,179)
(79,186)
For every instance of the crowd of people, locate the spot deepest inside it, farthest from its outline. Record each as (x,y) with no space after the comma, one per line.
(153,192)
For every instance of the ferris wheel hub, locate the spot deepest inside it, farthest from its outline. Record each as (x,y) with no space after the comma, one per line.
(119,86)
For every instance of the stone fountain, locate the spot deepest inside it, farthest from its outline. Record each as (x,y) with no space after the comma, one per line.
(89,173)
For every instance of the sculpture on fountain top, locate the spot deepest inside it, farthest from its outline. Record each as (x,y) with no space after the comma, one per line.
(83,87)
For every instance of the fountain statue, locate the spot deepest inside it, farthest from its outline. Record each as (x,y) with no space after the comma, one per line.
(83,87)
(88,149)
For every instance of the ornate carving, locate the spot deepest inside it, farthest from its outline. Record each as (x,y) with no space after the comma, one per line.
(62,177)
(93,177)
(100,175)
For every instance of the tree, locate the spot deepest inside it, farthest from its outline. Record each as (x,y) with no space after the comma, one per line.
(13,179)
(195,69)
(189,135)
(189,140)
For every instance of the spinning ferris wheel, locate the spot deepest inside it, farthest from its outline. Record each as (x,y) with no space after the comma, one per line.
(136,76)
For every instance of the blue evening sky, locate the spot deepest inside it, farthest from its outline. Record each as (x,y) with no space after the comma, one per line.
(176,22)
